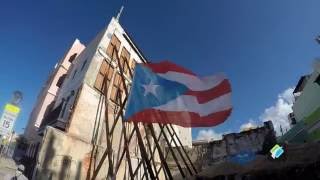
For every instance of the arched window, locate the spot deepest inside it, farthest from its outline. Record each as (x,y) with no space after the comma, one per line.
(60,81)
(71,59)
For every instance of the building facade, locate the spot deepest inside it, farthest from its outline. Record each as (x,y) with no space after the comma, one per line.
(74,126)
(49,91)
(305,118)
(45,101)
(218,151)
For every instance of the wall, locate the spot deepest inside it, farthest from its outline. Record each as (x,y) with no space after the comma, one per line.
(234,143)
(63,156)
(309,99)
(93,57)
(81,110)
(49,91)
(59,159)
(184,135)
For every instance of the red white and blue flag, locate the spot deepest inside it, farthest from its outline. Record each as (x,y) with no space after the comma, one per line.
(167,93)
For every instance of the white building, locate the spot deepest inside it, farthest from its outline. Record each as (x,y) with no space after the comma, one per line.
(305,118)
(74,110)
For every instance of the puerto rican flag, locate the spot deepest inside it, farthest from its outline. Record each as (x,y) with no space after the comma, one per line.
(167,93)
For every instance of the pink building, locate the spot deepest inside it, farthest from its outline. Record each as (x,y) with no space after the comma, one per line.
(49,91)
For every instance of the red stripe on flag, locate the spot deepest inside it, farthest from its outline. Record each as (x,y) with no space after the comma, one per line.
(185,119)
(205,96)
(166,66)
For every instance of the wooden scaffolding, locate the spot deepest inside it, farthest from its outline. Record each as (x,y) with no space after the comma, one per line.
(153,147)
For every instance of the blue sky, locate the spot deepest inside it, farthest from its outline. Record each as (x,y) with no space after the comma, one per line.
(263,46)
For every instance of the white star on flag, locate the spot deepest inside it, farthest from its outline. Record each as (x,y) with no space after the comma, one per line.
(150,88)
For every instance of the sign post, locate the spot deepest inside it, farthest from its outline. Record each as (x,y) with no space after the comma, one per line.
(8,119)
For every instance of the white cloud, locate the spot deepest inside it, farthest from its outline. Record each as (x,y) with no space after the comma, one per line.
(250,125)
(278,113)
(208,135)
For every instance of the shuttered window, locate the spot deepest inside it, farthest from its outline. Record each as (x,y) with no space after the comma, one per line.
(132,66)
(113,47)
(124,60)
(105,69)
(117,88)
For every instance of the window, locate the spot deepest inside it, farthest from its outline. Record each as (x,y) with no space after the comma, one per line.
(105,69)
(60,81)
(113,47)
(318,80)
(124,60)
(117,88)
(133,65)
(72,57)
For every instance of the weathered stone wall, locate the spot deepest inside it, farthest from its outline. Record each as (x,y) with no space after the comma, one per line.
(219,151)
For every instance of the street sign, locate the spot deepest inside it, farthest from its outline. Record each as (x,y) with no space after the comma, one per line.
(8,118)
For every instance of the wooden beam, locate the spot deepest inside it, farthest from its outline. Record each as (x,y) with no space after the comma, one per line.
(150,149)
(179,151)
(126,148)
(140,141)
(143,151)
(172,152)
(122,154)
(108,152)
(163,161)
(195,170)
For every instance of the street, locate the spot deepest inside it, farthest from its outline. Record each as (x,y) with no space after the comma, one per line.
(7,165)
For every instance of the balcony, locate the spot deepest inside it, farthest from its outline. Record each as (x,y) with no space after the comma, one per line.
(53,118)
